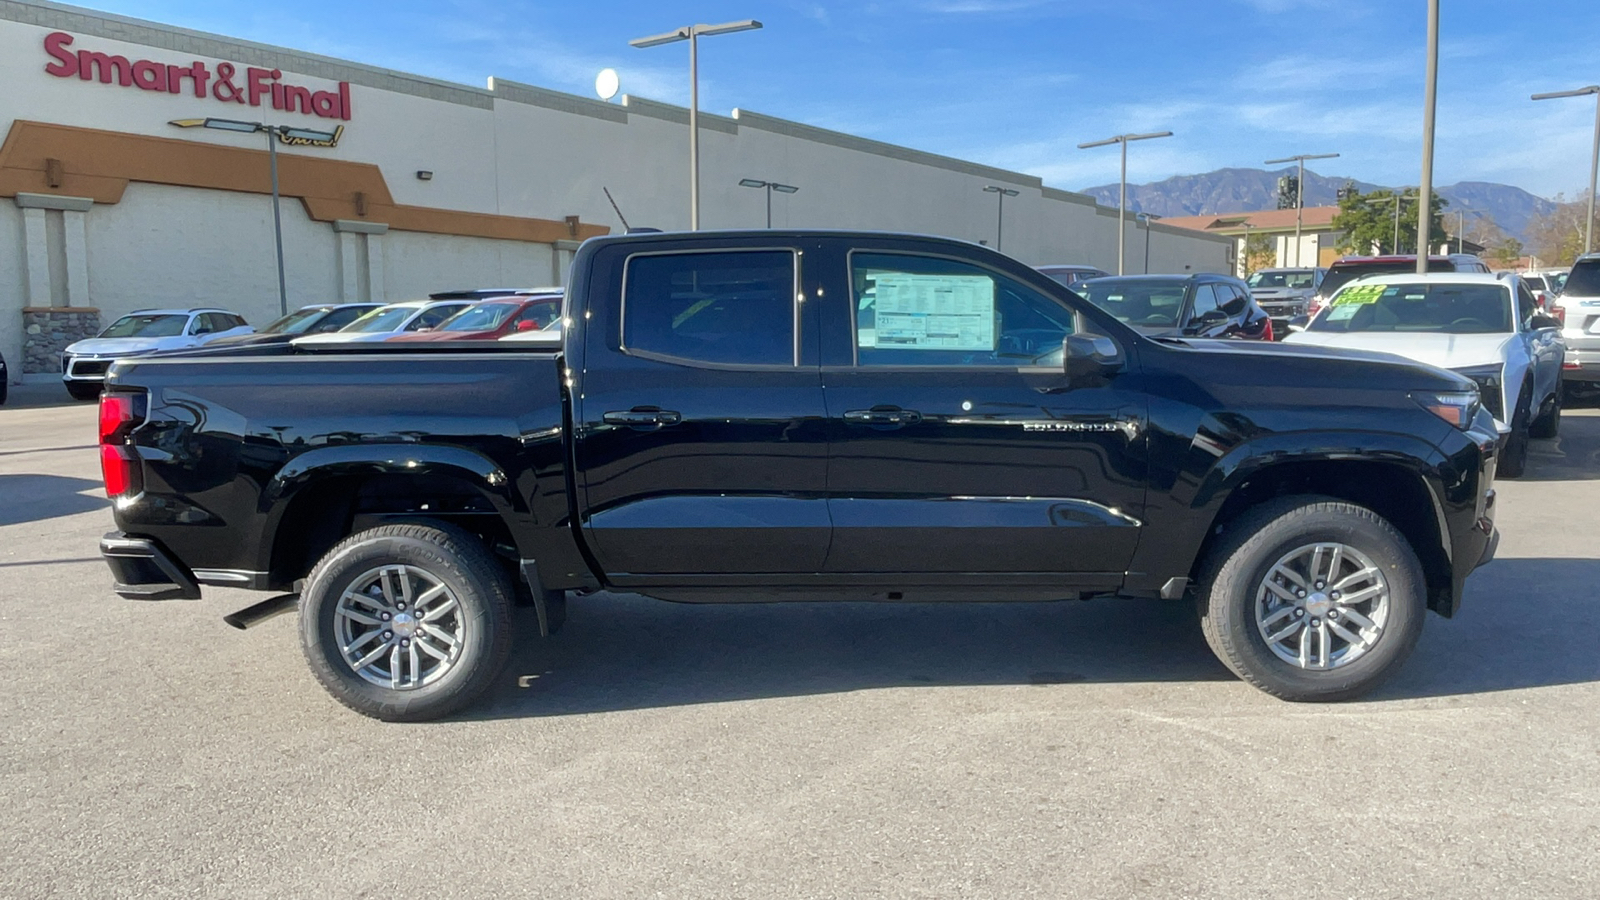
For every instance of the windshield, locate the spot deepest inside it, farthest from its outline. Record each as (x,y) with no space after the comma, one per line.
(146,326)
(1583,280)
(1535,282)
(1305,279)
(1341,274)
(483,317)
(294,323)
(1147,304)
(1418,307)
(384,318)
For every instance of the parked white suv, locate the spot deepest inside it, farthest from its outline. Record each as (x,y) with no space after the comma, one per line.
(1485,327)
(84,364)
(1578,308)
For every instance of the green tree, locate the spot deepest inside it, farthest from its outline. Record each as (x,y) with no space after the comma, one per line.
(1505,252)
(1258,253)
(1367,222)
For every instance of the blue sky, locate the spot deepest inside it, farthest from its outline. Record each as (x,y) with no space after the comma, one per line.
(1019,83)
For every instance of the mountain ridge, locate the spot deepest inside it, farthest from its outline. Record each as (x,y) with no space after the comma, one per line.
(1237,190)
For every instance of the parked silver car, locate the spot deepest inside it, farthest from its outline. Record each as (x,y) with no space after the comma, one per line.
(1578,308)
(1285,293)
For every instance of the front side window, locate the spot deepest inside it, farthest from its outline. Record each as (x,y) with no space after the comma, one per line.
(913,310)
(483,317)
(726,308)
(1526,305)
(336,319)
(431,317)
(1583,280)
(384,318)
(1205,300)
(1418,308)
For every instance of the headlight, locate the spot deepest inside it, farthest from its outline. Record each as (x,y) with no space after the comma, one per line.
(1456,407)
(1488,379)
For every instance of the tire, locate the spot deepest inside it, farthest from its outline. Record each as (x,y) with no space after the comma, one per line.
(1548,425)
(1233,584)
(339,601)
(1514,460)
(83,392)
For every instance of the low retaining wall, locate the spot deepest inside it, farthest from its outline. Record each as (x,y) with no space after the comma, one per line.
(47,330)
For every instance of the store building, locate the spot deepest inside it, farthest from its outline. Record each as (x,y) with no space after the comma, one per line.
(106,206)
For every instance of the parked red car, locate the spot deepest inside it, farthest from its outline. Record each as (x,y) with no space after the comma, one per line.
(493,319)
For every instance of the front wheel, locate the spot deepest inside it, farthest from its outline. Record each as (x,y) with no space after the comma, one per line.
(406,622)
(1514,461)
(1312,599)
(1548,425)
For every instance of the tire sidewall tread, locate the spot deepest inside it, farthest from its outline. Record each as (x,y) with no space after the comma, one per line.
(1253,542)
(451,554)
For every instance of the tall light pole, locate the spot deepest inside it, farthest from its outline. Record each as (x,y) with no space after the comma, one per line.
(274,134)
(770,186)
(692,34)
(1594,159)
(1299,191)
(1145,218)
(1244,252)
(1430,97)
(1001,193)
(1122,193)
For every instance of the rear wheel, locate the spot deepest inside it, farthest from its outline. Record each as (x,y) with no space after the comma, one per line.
(83,391)
(406,622)
(1312,599)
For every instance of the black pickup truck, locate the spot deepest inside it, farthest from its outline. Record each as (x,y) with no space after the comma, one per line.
(763,415)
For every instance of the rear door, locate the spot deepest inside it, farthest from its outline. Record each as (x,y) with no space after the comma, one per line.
(701,445)
(959,446)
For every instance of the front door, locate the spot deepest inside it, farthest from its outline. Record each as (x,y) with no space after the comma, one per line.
(701,442)
(958,443)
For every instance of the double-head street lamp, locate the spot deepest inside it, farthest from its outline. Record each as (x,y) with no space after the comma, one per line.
(1122,195)
(274,134)
(1299,191)
(1001,193)
(770,187)
(692,34)
(1594,159)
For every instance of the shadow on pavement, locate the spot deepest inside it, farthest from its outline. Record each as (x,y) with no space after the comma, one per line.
(1574,456)
(31,498)
(1524,623)
(40,396)
(622,651)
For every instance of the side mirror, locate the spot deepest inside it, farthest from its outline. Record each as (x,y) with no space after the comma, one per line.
(1299,323)
(1090,356)
(1540,321)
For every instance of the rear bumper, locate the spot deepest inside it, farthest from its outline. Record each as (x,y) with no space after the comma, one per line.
(1582,361)
(142,570)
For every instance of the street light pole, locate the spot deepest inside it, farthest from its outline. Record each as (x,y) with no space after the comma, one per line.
(692,33)
(1145,218)
(1594,159)
(1430,105)
(1122,192)
(274,134)
(769,186)
(1000,215)
(1299,191)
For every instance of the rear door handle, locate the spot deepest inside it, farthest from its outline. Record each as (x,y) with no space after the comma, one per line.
(883,416)
(642,417)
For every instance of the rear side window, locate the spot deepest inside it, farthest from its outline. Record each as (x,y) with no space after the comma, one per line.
(1205,300)
(733,308)
(1584,280)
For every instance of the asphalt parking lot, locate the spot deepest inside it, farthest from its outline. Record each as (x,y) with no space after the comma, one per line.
(992,750)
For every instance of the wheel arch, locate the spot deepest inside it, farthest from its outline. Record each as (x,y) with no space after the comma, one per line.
(324,495)
(1402,494)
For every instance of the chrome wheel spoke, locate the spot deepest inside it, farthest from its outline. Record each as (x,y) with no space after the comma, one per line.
(1304,606)
(399,627)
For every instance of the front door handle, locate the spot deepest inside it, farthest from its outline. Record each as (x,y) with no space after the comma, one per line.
(642,417)
(883,417)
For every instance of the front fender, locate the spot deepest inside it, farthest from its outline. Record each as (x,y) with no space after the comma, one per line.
(1240,462)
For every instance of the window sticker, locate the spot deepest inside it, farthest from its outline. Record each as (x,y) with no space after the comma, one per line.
(931,312)
(1360,295)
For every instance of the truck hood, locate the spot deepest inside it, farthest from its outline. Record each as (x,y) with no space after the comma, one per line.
(122,346)
(346,337)
(1447,351)
(1281,293)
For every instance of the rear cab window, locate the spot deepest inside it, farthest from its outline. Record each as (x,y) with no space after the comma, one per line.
(722,308)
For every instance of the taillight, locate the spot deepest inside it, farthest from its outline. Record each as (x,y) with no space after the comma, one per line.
(1267,335)
(119,414)
(1561,315)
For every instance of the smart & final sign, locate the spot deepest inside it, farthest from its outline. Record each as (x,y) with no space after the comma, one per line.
(257,87)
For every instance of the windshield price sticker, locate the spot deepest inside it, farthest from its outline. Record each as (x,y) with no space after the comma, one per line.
(1360,295)
(933,312)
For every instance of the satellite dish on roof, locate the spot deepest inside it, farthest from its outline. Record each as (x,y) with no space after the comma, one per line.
(607,83)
